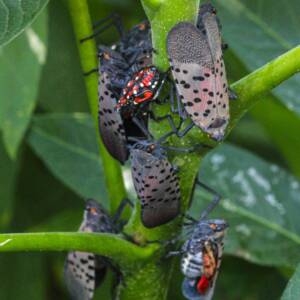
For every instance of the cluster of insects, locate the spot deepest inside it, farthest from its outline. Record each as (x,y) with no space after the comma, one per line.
(129,86)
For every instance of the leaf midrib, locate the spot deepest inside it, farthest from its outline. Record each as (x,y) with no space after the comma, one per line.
(229,206)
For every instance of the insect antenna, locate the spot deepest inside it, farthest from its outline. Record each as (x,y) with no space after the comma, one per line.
(217,198)
(112,20)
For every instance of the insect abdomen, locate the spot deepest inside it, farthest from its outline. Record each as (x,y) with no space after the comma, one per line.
(192,265)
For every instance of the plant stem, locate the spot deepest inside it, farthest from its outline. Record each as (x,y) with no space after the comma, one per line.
(163,15)
(88,56)
(123,252)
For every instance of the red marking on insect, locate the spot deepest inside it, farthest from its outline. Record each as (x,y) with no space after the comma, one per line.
(203,285)
(209,269)
(140,89)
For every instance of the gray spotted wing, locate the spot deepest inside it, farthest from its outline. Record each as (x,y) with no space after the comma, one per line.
(84,271)
(210,25)
(198,82)
(157,187)
(111,125)
(80,275)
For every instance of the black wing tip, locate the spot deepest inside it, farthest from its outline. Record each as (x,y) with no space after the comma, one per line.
(151,219)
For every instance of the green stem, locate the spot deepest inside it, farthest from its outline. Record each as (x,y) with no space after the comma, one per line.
(163,15)
(88,56)
(123,252)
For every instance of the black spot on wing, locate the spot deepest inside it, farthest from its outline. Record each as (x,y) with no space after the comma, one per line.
(157,188)
(111,125)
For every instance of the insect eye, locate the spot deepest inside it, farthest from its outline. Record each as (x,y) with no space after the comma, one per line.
(93,210)
(106,56)
(213,226)
(142,26)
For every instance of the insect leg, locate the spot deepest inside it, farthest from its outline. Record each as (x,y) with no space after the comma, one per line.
(94,70)
(142,127)
(190,218)
(186,149)
(232,94)
(215,201)
(112,20)
(163,80)
(121,208)
(224,46)
(185,130)
(180,109)
(174,253)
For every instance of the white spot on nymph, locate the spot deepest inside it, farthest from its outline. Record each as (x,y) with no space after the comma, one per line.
(36,45)
(271,199)
(141,84)
(243,229)
(153,86)
(5,242)
(134,92)
(136,78)
(127,97)
(259,179)
(248,198)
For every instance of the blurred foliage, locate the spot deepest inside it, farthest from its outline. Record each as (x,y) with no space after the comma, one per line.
(19,80)
(292,291)
(45,176)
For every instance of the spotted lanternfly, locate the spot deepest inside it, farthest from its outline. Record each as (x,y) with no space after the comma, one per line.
(197,65)
(143,88)
(202,258)
(202,253)
(136,45)
(114,131)
(85,271)
(156,184)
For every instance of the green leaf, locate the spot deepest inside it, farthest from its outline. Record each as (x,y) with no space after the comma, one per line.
(283,127)
(292,291)
(62,73)
(252,136)
(259,31)
(22,276)
(239,279)
(261,203)
(8,169)
(20,64)
(68,146)
(16,15)
(35,203)
(281,124)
